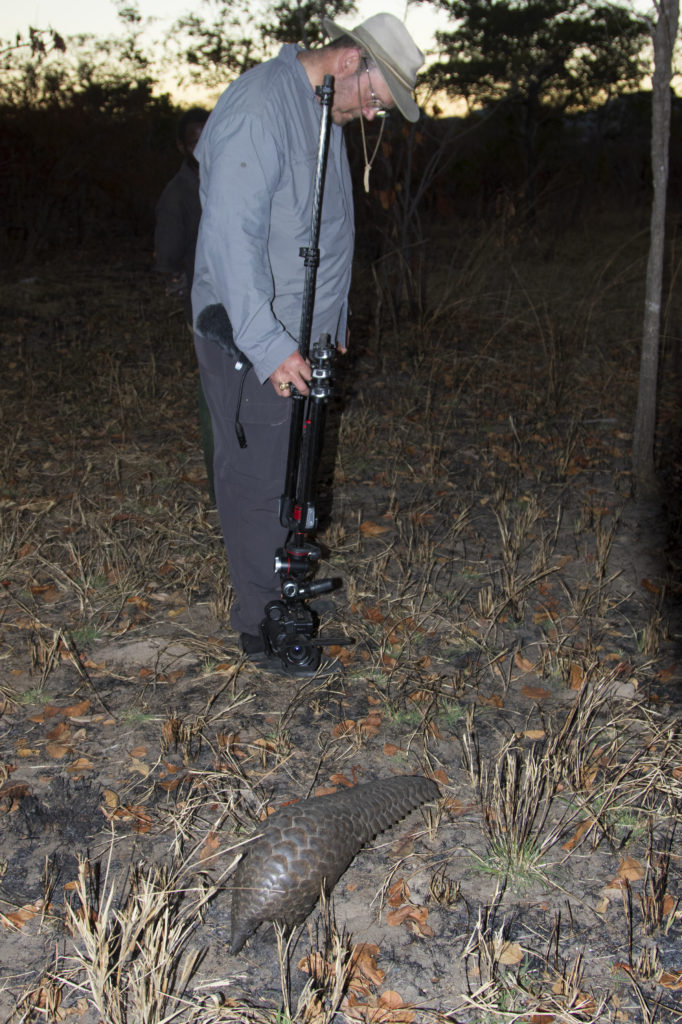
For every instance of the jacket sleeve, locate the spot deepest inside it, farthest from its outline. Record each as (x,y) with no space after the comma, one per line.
(240,172)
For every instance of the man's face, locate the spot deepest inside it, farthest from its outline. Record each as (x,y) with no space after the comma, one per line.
(192,135)
(362,93)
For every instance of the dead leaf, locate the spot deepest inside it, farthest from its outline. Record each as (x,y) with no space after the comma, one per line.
(344,727)
(413,917)
(364,960)
(339,779)
(139,766)
(396,916)
(170,785)
(81,764)
(266,745)
(416,923)
(453,805)
(61,731)
(577,835)
(370,725)
(18,918)
(370,529)
(576,676)
(523,663)
(314,964)
(630,869)
(535,692)
(509,952)
(669,903)
(75,710)
(173,614)
(671,979)
(142,821)
(57,750)
(210,847)
(392,1010)
(398,893)
(495,701)
(16,790)
(342,654)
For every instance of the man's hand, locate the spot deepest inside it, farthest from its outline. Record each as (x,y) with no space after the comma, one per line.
(293,371)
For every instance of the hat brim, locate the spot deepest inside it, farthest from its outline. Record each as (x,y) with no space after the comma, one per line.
(401,93)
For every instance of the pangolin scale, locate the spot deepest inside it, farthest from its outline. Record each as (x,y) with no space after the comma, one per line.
(303,844)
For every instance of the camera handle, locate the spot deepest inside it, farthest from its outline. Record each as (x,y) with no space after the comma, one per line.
(289,625)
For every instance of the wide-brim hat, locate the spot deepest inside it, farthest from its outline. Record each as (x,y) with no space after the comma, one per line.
(392,48)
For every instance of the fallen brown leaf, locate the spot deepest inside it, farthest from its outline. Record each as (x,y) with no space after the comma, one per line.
(509,953)
(630,869)
(339,779)
(75,710)
(398,893)
(671,979)
(210,846)
(81,764)
(535,692)
(61,731)
(576,676)
(344,727)
(370,529)
(523,663)
(413,917)
(364,960)
(371,725)
(18,918)
(577,836)
(494,701)
(57,750)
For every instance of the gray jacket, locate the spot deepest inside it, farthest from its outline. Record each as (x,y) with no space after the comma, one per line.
(257,156)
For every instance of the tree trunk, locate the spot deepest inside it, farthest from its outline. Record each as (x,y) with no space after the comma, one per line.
(643,463)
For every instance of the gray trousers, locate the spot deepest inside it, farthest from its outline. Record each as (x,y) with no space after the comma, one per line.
(248,481)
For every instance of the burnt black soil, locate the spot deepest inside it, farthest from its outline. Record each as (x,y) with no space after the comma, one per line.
(510,607)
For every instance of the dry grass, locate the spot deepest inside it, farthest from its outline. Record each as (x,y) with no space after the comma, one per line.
(504,643)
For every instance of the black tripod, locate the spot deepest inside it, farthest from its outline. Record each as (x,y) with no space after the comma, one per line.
(289,626)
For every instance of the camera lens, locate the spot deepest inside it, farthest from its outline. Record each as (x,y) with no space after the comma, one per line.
(301,654)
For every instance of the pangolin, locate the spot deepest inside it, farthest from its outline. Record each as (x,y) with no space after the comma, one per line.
(313,841)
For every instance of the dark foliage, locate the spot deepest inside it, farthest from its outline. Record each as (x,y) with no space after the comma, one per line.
(92,170)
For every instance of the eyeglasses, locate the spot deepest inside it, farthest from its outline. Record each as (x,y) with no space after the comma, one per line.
(375,103)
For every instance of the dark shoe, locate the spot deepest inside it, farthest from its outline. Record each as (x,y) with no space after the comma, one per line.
(253,646)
